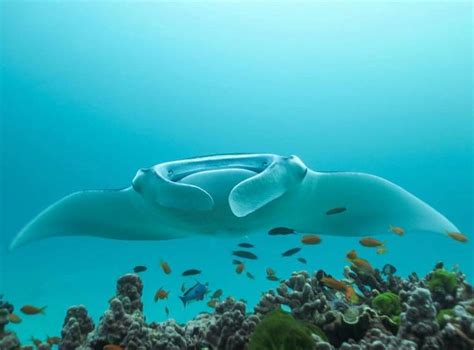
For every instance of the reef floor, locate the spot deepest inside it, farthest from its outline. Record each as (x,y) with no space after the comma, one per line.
(380,312)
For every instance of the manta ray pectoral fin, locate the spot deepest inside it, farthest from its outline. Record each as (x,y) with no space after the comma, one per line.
(116,214)
(279,177)
(371,205)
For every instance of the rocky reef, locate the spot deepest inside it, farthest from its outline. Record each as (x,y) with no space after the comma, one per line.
(434,312)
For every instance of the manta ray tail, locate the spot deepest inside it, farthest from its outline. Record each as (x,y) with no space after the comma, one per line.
(110,213)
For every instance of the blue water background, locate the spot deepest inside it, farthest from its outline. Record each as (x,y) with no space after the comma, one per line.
(93,91)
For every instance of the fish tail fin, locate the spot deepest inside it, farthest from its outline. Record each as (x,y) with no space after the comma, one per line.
(183,300)
(42,310)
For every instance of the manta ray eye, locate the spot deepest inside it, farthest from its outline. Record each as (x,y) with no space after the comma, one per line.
(265,163)
(170,173)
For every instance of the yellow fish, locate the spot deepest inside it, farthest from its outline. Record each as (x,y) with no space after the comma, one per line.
(458,236)
(397,230)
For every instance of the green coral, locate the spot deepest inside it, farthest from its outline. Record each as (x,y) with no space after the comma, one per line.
(396,320)
(440,316)
(387,304)
(442,280)
(280,331)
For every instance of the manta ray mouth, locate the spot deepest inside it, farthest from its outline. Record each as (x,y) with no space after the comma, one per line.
(180,176)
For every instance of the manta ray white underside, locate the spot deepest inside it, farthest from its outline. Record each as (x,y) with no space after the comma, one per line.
(236,194)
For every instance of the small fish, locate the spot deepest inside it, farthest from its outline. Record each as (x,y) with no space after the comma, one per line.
(113,347)
(272,278)
(191,272)
(370,242)
(336,211)
(139,268)
(381,250)
(212,303)
(165,267)
(351,295)
(161,294)
(249,275)
(32,310)
(291,252)
(388,270)
(245,254)
(302,260)
(270,271)
(246,245)
(236,262)
(167,311)
(239,268)
(13,318)
(53,340)
(397,230)
(281,231)
(183,287)
(334,284)
(36,341)
(351,255)
(458,236)
(217,294)
(362,265)
(310,239)
(196,292)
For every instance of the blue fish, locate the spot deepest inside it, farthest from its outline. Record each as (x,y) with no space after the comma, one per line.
(196,292)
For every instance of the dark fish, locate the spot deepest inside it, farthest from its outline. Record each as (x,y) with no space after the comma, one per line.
(139,268)
(244,254)
(281,231)
(272,278)
(291,252)
(388,270)
(302,260)
(246,245)
(191,272)
(167,311)
(249,275)
(335,211)
(236,262)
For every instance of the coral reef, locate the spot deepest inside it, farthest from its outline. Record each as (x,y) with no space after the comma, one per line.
(431,313)
(279,330)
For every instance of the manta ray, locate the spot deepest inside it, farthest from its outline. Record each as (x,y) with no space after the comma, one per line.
(236,194)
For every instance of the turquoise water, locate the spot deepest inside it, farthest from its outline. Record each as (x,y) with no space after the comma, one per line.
(93,91)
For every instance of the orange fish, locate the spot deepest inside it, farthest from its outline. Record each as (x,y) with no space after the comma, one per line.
(351,255)
(14,318)
(397,230)
(381,250)
(310,239)
(212,303)
(113,347)
(165,267)
(239,268)
(53,340)
(370,242)
(362,265)
(32,310)
(161,294)
(458,236)
(351,295)
(334,284)
(270,271)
